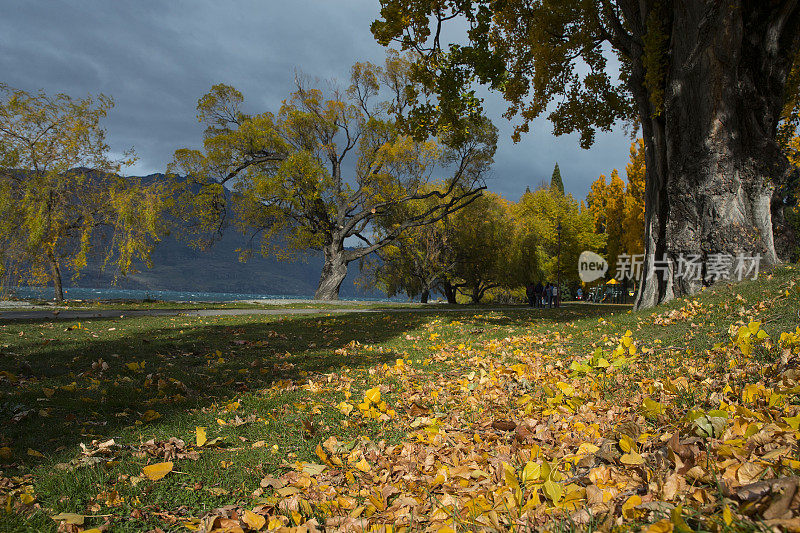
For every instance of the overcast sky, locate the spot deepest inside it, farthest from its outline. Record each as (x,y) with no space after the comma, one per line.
(156,58)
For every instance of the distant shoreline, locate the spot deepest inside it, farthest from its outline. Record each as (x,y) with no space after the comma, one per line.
(35,302)
(44,296)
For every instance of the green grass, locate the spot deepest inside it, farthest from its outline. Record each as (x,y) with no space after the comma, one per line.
(57,391)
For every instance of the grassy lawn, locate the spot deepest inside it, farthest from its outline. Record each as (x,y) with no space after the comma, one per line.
(468,420)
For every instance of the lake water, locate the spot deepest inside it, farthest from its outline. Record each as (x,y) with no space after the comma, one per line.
(80,293)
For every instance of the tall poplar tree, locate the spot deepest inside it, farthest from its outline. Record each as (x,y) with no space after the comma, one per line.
(618,209)
(555,180)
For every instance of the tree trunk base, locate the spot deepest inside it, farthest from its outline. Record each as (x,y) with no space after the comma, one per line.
(334,270)
(58,287)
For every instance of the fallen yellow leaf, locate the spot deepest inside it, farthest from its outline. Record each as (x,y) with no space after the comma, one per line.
(662,526)
(587,448)
(630,504)
(70,518)
(553,490)
(632,458)
(200,435)
(794,422)
(150,415)
(566,388)
(321,453)
(677,519)
(373,395)
(253,520)
(727,516)
(313,469)
(362,465)
(156,471)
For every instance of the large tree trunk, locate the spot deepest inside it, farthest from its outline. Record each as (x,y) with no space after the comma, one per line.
(424,297)
(476,295)
(334,270)
(55,274)
(711,154)
(449,292)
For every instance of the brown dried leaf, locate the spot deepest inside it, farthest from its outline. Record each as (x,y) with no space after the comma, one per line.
(504,425)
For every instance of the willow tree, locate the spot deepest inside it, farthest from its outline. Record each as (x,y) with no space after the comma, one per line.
(705,80)
(468,253)
(481,242)
(321,170)
(61,194)
(419,262)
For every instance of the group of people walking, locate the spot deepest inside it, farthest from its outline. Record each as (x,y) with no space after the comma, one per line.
(542,295)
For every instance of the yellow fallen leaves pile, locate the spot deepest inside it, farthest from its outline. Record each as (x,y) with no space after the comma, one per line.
(17,493)
(373,407)
(520,434)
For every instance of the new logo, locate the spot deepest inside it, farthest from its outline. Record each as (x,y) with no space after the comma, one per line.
(591,266)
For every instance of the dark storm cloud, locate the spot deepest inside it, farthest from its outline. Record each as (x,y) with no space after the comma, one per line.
(157,58)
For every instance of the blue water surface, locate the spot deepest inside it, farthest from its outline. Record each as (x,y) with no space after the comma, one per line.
(81,293)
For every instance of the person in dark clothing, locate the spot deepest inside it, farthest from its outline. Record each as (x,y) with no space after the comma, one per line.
(529,292)
(538,291)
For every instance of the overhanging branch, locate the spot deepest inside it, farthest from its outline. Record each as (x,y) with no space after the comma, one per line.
(429,216)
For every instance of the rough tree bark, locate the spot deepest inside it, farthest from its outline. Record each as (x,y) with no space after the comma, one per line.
(55,274)
(449,292)
(711,153)
(334,270)
(479,291)
(476,296)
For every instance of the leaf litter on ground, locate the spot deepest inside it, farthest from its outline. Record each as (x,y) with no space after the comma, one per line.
(529,430)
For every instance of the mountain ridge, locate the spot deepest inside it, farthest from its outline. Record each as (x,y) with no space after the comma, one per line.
(180,267)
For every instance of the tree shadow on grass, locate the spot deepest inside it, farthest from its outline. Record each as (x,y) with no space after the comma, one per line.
(526,316)
(66,384)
